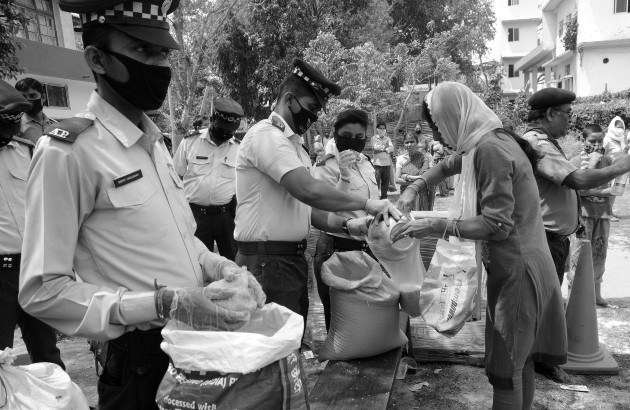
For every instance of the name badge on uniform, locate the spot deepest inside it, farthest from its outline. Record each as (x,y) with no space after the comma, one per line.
(126,179)
(198,157)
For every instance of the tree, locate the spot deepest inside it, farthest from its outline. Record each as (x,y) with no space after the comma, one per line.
(196,25)
(11,20)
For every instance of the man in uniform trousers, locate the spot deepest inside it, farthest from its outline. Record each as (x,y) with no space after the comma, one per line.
(206,163)
(15,157)
(558,181)
(104,204)
(275,192)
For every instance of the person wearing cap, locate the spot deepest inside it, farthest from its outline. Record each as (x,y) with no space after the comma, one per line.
(206,163)
(559,181)
(15,157)
(34,120)
(383,148)
(277,197)
(104,204)
(347,169)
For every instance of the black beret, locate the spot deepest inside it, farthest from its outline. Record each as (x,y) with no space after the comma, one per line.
(550,97)
(351,116)
(12,106)
(227,113)
(145,20)
(322,87)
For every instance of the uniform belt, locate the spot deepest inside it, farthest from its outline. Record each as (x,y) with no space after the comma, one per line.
(212,209)
(552,236)
(10,261)
(277,248)
(347,245)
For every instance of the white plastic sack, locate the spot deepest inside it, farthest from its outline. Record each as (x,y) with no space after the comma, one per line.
(450,287)
(273,333)
(37,386)
(403,263)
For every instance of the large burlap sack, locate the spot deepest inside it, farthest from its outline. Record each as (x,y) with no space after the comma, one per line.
(37,386)
(364,308)
(450,286)
(401,260)
(256,367)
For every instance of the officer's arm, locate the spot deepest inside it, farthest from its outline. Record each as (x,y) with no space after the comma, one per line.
(319,194)
(179,159)
(592,178)
(327,221)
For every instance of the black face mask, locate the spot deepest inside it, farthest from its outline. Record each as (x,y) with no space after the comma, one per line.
(147,86)
(418,132)
(345,143)
(220,134)
(36,107)
(303,119)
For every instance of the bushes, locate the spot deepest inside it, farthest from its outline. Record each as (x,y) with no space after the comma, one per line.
(601,112)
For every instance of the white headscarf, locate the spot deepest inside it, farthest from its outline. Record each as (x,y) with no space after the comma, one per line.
(614,133)
(462,119)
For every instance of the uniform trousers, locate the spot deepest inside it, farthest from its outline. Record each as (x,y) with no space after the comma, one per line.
(39,338)
(559,246)
(382,174)
(281,271)
(216,223)
(133,369)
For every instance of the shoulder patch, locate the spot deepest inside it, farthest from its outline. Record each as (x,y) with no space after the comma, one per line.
(325,158)
(277,122)
(68,130)
(24,141)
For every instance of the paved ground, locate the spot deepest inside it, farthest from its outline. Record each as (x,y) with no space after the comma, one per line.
(465,387)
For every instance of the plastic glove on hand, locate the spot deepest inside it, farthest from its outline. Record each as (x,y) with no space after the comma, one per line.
(359,226)
(347,159)
(374,207)
(195,308)
(416,229)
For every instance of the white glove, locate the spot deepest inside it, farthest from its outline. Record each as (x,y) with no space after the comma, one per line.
(228,270)
(359,226)
(347,159)
(374,207)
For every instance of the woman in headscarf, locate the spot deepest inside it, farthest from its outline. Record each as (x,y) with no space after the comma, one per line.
(410,166)
(615,143)
(496,203)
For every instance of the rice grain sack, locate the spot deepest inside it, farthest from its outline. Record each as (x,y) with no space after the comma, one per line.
(364,308)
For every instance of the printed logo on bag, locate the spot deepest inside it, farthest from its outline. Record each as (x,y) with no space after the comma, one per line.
(294,373)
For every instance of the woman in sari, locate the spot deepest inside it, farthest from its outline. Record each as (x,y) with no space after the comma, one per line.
(496,203)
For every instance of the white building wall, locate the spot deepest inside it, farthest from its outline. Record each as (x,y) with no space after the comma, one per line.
(594,77)
(597,21)
(527,38)
(525,9)
(65,28)
(564,9)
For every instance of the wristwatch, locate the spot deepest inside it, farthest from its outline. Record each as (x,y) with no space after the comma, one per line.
(344,226)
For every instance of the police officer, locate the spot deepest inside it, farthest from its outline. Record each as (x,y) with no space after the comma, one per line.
(206,163)
(105,204)
(275,192)
(15,157)
(347,169)
(34,120)
(558,180)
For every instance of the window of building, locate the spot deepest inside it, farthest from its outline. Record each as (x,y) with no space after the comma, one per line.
(41,24)
(567,69)
(511,72)
(512,2)
(56,96)
(560,28)
(512,34)
(622,6)
(567,84)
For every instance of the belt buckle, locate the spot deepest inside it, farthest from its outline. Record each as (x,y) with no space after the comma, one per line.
(300,249)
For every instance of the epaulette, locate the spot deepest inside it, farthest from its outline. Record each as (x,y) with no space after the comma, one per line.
(69,129)
(24,141)
(192,134)
(325,158)
(368,158)
(277,122)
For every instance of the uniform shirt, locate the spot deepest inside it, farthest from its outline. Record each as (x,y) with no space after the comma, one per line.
(14,161)
(382,158)
(208,170)
(559,203)
(266,211)
(117,237)
(362,182)
(32,129)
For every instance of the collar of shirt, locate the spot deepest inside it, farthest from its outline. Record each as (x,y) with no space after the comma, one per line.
(206,136)
(11,144)
(540,130)
(26,118)
(288,132)
(124,130)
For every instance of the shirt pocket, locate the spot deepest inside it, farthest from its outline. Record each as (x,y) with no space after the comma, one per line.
(133,194)
(200,166)
(228,168)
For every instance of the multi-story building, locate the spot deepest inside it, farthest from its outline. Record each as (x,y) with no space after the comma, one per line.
(517,27)
(49,54)
(593,61)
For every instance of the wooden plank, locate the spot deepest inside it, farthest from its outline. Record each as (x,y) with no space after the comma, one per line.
(362,384)
(467,347)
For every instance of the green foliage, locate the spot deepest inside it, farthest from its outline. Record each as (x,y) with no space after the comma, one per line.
(599,113)
(11,20)
(571,144)
(570,35)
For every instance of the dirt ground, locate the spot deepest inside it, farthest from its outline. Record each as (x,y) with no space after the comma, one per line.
(466,387)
